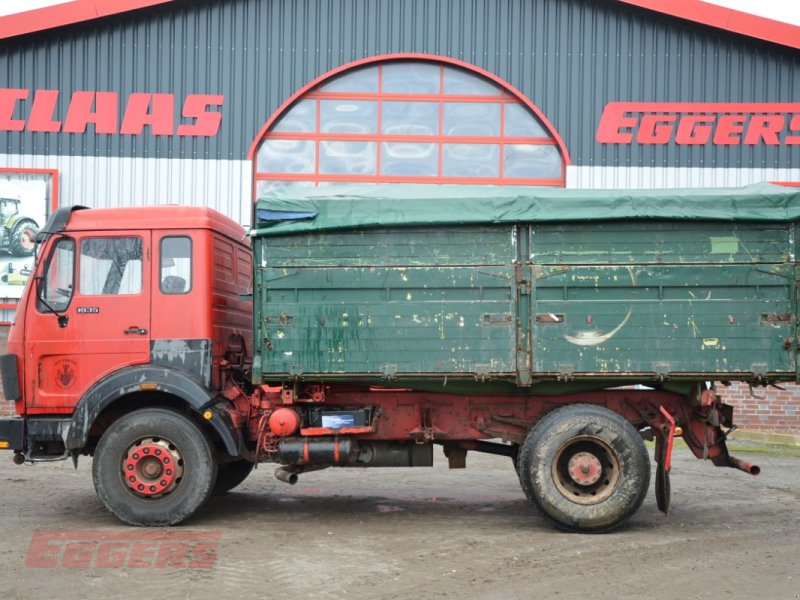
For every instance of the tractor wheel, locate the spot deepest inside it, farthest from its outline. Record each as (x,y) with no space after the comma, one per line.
(22,239)
(231,474)
(585,467)
(154,467)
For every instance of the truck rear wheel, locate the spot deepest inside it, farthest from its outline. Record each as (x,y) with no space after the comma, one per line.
(153,467)
(585,467)
(231,474)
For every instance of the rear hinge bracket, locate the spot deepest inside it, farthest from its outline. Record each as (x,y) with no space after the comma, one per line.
(566,372)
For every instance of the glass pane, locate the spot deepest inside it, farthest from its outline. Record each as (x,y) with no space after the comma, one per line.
(462,83)
(532,161)
(348,116)
(111,266)
(176,265)
(472,119)
(301,118)
(471,160)
(56,291)
(411,78)
(362,80)
(410,159)
(521,122)
(286,156)
(347,158)
(410,118)
(264,187)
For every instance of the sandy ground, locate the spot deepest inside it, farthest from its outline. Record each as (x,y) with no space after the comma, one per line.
(427,533)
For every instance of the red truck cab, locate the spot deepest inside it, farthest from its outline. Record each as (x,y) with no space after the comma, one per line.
(128,306)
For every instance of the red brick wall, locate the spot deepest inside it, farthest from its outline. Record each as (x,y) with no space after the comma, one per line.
(776,411)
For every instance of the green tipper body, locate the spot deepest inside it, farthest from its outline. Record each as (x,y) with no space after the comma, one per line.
(436,286)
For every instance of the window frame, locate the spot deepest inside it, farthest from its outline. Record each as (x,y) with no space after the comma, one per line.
(41,287)
(111,237)
(190,287)
(316,91)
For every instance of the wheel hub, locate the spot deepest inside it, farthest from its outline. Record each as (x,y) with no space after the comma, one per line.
(152,467)
(584,468)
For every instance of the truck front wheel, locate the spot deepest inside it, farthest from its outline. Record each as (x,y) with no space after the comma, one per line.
(153,467)
(585,467)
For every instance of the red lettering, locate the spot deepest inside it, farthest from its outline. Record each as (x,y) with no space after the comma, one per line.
(206,122)
(8,103)
(727,127)
(766,127)
(650,132)
(138,114)
(42,110)
(112,555)
(80,113)
(142,554)
(612,122)
(44,551)
(204,555)
(78,555)
(794,126)
(691,129)
(172,554)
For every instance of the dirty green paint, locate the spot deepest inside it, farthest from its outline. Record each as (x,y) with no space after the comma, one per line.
(472,306)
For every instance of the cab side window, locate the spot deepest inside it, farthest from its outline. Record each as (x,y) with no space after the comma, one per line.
(55,291)
(111,266)
(176,265)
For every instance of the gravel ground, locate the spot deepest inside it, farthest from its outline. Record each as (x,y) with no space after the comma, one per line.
(424,533)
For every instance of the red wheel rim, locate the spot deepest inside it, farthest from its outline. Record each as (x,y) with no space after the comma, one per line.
(152,467)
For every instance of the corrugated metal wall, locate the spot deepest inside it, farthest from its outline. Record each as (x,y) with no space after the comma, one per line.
(570,57)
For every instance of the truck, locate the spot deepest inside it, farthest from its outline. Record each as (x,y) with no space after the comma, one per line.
(365,327)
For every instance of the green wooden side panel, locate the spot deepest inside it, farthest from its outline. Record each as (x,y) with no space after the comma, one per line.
(635,300)
(663,319)
(450,246)
(389,320)
(661,242)
(388,302)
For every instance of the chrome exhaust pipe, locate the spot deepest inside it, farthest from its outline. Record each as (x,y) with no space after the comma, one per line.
(286,475)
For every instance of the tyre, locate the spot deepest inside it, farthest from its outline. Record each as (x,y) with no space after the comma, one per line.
(231,474)
(585,467)
(154,467)
(22,239)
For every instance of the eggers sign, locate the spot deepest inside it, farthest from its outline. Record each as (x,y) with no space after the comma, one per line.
(26,110)
(699,123)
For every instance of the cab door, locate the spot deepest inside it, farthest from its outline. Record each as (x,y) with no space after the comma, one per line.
(99,285)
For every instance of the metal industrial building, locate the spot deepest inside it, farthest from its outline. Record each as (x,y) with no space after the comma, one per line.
(214,102)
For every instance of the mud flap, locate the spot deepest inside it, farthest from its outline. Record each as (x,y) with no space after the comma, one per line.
(663,489)
(664,437)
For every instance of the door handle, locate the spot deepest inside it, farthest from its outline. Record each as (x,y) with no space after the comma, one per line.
(135,331)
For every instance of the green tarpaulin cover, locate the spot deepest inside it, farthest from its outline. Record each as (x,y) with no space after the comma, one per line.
(405,205)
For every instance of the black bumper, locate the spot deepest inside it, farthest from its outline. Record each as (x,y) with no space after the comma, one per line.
(36,437)
(12,434)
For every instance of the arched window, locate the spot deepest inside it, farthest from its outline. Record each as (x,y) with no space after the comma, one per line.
(408,120)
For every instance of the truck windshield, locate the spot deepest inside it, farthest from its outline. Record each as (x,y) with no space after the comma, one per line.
(57,284)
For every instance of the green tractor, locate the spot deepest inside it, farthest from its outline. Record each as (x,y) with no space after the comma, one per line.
(17,232)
